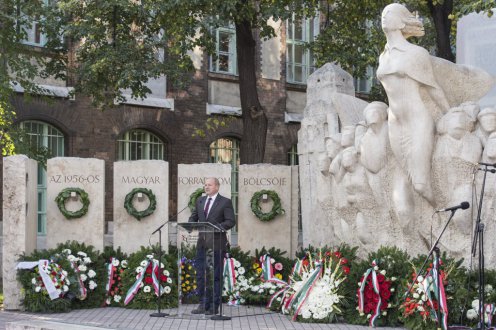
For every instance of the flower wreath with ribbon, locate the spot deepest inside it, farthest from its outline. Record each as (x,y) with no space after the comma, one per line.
(257,210)
(65,194)
(114,286)
(147,267)
(50,278)
(374,293)
(194,197)
(131,210)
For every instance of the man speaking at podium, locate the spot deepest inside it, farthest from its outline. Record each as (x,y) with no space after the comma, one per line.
(217,210)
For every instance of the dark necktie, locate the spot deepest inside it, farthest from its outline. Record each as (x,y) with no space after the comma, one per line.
(207,206)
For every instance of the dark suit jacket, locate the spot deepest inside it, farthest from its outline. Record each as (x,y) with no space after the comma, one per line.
(221,214)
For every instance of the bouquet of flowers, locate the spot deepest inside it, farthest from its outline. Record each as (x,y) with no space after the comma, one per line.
(85,276)
(315,294)
(145,278)
(374,293)
(43,285)
(488,310)
(189,290)
(114,287)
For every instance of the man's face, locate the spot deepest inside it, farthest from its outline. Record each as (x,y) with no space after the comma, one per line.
(210,187)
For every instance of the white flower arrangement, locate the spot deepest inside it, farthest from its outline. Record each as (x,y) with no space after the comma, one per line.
(82,264)
(147,289)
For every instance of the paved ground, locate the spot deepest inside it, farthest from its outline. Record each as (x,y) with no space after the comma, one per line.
(243,317)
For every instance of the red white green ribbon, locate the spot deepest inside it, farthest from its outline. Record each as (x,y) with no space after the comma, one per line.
(133,290)
(298,299)
(361,297)
(110,275)
(267,270)
(489,311)
(230,279)
(432,282)
(82,289)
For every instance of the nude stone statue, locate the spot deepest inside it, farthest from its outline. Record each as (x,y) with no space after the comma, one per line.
(415,98)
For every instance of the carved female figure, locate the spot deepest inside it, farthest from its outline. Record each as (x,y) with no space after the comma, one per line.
(415,98)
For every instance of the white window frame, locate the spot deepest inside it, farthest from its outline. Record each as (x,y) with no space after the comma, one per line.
(308,25)
(124,145)
(231,53)
(31,31)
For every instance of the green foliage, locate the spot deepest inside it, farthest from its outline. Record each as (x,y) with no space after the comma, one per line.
(132,211)
(257,209)
(148,300)
(65,194)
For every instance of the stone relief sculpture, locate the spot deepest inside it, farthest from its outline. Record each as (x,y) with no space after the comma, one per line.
(415,98)
(487,123)
(392,165)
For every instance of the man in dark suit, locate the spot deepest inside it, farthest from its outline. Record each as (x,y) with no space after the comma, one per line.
(217,210)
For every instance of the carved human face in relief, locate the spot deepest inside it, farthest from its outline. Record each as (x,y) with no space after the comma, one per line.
(457,124)
(488,122)
(375,115)
(490,150)
(332,147)
(398,17)
(350,159)
(348,136)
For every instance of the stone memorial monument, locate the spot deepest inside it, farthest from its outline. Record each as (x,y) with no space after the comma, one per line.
(279,231)
(142,187)
(79,186)
(392,165)
(20,209)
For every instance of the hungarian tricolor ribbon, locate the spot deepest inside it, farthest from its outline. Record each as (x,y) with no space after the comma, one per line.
(229,276)
(82,289)
(133,290)
(489,311)
(267,270)
(433,282)
(298,299)
(361,297)
(110,276)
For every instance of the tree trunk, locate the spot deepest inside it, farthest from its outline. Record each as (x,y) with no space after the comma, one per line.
(439,14)
(252,147)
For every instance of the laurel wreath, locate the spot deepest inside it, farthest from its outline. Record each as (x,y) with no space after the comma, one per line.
(257,210)
(193,197)
(65,194)
(128,203)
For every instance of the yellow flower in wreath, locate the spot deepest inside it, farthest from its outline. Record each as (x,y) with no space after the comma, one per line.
(279,276)
(259,270)
(255,266)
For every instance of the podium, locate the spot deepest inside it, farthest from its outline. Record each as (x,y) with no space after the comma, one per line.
(197,261)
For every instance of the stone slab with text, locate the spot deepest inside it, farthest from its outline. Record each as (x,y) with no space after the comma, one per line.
(20,207)
(278,232)
(129,232)
(89,175)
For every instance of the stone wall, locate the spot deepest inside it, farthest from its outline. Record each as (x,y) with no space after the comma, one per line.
(20,206)
(131,233)
(89,175)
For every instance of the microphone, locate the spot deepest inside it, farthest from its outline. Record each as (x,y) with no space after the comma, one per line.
(170,220)
(463,206)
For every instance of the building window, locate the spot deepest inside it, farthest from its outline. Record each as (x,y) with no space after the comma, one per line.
(140,144)
(299,59)
(224,60)
(226,151)
(40,135)
(31,28)
(364,85)
(293,155)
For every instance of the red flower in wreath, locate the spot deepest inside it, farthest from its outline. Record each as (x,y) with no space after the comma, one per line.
(148,280)
(346,270)
(338,254)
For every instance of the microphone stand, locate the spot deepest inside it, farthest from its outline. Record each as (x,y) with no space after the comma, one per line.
(159,230)
(159,314)
(434,249)
(479,238)
(219,317)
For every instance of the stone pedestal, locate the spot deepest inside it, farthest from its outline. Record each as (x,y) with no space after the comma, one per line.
(278,232)
(129,232)
(89,175)
(20,207)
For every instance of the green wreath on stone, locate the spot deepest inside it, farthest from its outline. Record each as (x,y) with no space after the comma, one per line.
(128,203)
(64,195)
(257,210)
(194,197)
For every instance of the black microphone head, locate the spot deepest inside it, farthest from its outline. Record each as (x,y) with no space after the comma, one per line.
(464,205)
